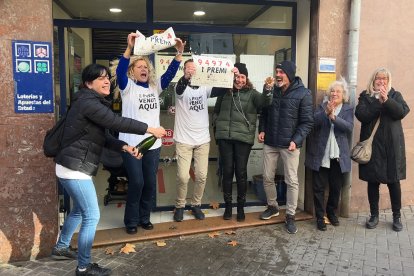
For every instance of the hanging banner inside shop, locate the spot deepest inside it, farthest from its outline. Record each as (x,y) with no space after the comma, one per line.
(32,75)
(163,61)
(148,45)
(212,71)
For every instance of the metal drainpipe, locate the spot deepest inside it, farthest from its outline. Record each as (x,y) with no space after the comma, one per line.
(352,81)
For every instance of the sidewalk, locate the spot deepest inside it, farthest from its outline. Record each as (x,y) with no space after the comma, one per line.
(349,249)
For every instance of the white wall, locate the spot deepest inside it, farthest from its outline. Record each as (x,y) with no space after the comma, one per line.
(302,40)
(302,63)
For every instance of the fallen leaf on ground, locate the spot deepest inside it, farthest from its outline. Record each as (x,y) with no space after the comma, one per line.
(161,243)
(326,220)
(232,243)
(213,234)
(128,248)
(215,205)
(231,232)
(109,251)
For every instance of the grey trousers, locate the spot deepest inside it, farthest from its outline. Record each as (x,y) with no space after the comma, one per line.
(290,163)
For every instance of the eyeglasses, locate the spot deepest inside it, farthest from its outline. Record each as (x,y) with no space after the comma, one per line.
(381,78)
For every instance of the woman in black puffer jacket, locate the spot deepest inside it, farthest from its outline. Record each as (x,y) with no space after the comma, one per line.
(78,161)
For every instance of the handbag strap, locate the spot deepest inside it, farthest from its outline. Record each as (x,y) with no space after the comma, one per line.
(375,129)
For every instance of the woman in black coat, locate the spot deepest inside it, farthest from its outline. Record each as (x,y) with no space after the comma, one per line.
(387,164)
(78,161)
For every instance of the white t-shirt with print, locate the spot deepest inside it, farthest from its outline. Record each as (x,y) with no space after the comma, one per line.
(191,116)
(141,104)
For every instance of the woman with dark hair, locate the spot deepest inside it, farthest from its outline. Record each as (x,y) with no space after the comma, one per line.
(387,165)
(76,163)
(235,123)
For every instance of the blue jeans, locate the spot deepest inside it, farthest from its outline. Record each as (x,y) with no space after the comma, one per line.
(85,211)
(142,181)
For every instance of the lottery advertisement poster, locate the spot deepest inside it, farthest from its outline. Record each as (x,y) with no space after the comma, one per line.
(32,75)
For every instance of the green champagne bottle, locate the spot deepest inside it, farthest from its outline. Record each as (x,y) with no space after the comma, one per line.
(146,144)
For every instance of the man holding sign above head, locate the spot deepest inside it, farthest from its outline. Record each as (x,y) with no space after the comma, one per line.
(192,139)
(212,70)
(236,115)
(140,99)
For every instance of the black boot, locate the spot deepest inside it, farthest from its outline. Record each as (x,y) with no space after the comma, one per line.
(372,222)
(228,211)
(228,206)
(396,222)
(241,200)
(240,212)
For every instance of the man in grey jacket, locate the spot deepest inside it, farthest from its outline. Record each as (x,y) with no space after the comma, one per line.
(283,127)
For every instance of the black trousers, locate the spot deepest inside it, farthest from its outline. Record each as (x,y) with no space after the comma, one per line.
(395,196)
(335,179)
(234,156)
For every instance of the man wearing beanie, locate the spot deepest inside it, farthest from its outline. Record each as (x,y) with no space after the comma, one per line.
(283,127)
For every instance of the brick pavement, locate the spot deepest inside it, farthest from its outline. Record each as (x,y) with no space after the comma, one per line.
(348,249)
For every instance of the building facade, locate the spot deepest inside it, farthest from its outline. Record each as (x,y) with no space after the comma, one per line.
(320,30)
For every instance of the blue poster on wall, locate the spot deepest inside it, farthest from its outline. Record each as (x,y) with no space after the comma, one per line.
(32,75)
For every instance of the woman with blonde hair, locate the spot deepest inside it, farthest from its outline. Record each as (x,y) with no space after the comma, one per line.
(140,91)
(328,156)
(387,165)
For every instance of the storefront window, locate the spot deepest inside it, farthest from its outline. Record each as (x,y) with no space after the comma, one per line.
(96,10)
(260,53)
(275,17)
(258,35)
(252,16)
(76,55)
